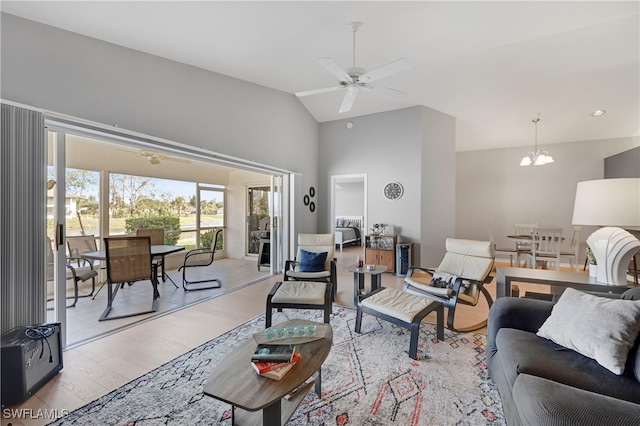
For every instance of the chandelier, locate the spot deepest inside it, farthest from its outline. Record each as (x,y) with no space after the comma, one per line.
(536,157)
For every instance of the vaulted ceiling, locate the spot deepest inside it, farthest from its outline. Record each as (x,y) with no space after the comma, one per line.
(492,65)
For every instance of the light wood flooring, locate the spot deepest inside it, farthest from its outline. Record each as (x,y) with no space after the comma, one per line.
(100,366)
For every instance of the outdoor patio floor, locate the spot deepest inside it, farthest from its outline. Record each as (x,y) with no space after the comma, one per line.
(82,320)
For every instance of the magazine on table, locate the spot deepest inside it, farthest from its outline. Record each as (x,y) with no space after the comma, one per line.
(273,353)
(262,367)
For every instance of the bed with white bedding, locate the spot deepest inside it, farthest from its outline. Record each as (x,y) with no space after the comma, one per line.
(348,230)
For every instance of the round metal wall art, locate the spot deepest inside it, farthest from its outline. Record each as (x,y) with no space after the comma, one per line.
(307,199)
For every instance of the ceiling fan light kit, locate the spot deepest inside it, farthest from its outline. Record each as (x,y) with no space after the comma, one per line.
(355,78)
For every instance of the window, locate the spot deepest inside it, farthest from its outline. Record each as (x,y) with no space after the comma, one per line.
(137,201)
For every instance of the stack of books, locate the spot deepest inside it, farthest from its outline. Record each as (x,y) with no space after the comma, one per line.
(274,361)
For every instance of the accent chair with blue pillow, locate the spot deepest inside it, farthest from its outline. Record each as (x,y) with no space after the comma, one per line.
(310,280)
(306,265)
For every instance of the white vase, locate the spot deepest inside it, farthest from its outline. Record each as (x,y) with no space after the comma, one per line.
(593,270)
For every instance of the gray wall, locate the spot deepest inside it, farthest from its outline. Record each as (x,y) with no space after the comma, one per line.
(63,72)
(623,165)
(438,186)
(349,199)
(414,146)
(494,192)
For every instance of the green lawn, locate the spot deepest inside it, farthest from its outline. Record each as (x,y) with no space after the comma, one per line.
(117,226)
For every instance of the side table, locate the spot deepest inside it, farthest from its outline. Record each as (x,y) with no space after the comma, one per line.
(358,279)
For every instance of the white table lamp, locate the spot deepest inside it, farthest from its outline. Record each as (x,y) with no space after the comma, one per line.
(611,203)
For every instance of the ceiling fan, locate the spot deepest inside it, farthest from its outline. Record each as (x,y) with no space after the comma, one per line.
(154,157)
(355,79)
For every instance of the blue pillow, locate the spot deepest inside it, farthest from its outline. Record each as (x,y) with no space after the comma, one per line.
(312,262)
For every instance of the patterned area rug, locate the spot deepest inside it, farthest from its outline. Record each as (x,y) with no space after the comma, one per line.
(368,379)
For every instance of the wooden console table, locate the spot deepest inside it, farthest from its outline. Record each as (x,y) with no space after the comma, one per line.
(258,400)
(583,282)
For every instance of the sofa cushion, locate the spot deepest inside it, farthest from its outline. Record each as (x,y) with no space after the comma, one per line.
(522,352)
(597,327)
(544,402)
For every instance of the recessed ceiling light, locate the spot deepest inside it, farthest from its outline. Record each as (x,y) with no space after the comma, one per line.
(598,112)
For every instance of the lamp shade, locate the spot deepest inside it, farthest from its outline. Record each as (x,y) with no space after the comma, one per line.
(611,203)
(608,202)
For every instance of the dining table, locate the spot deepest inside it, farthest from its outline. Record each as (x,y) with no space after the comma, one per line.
(156,250)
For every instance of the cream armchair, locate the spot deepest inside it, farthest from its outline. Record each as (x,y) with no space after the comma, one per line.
(309,280)
(460,278)
(300,269)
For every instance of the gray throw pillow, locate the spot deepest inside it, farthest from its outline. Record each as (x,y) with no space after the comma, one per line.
(600,328)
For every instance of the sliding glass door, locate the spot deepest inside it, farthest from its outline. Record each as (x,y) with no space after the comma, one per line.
(55,267)
(258,217)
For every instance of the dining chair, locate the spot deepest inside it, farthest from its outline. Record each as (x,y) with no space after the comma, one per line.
(76,274)
(574,247)
(157,239)
(201,257)
(523,248)
(511,251)
(77,246)
(129,261)
(545,246)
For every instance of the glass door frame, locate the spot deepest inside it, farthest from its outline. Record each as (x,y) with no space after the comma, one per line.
(206,187)
(59,229)
(276,202)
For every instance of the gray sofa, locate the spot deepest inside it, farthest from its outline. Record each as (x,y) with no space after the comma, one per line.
(542,383)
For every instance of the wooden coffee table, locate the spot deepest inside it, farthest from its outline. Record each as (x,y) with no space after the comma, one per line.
(259,400)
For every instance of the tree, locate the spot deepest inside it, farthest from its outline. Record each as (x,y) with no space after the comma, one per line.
(126,191)
(78,181)
(178,204)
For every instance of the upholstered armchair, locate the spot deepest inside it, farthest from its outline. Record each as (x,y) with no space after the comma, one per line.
(311,262)
(460,278)
(309,280)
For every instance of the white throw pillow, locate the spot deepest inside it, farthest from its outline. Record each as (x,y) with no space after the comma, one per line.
(597,327)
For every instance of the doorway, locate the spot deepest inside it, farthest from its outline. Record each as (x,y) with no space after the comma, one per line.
(349,198)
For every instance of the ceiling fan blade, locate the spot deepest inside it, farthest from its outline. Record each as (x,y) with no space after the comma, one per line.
(335,69)
(385,92)
(317,91)
(349,97)
(385,70)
